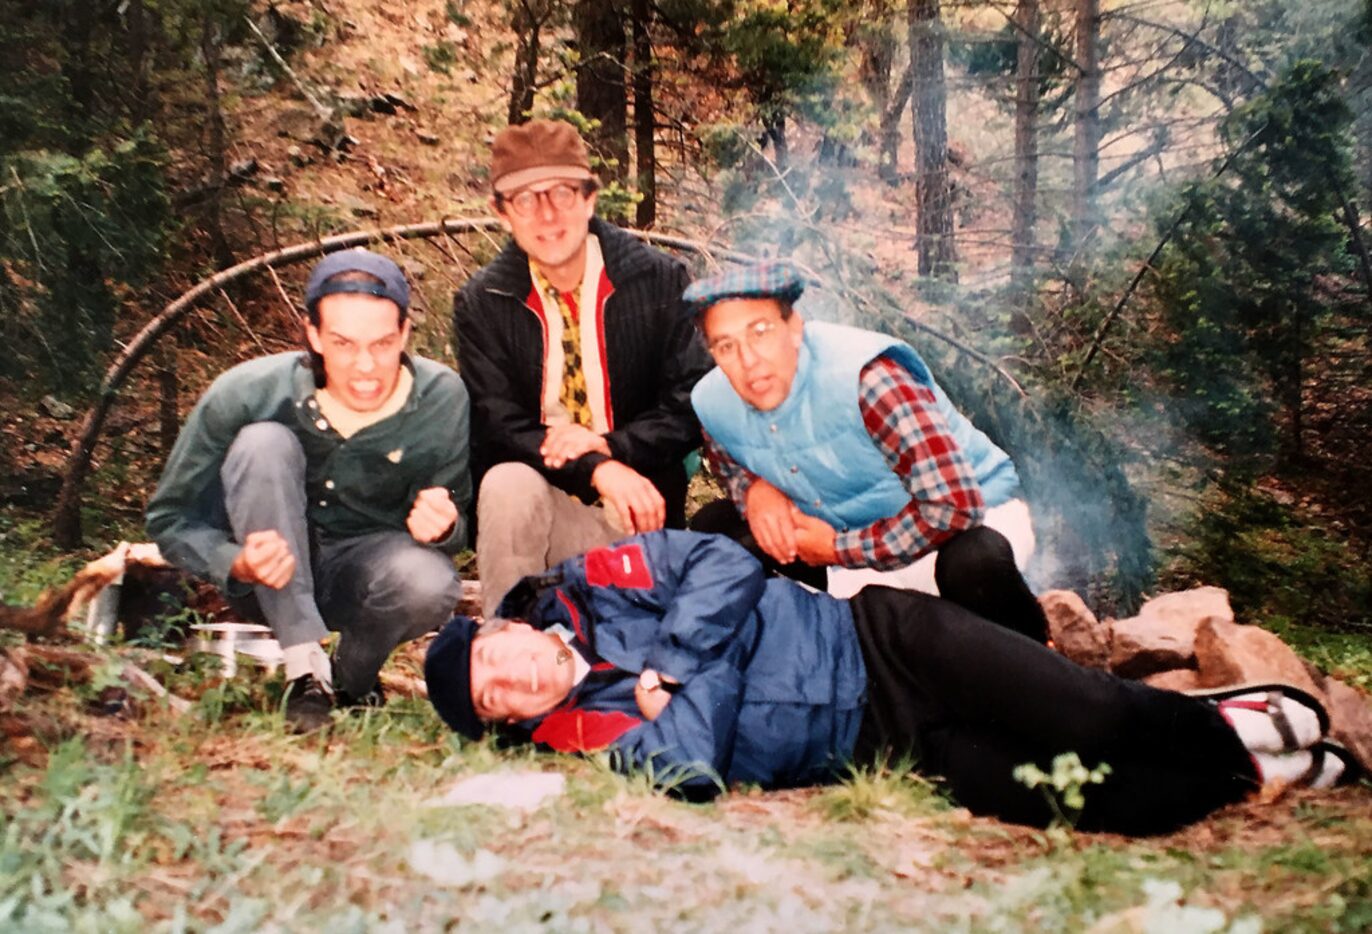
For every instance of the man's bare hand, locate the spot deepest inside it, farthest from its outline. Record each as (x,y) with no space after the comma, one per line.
(814,539)
(630,494)
(432,516)
(265,559)
(650,694)
(565,443)
(770,520)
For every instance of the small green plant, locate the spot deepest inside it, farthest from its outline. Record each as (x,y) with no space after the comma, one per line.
(453,10)
(1064,788)
(441,56)
(871,791)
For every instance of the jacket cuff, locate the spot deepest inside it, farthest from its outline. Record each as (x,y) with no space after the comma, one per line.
(585,465)
(457,538)
(674,663)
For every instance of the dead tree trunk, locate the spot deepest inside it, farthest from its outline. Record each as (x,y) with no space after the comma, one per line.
(1026,145)
(645,116)
(879,45)
(933,187)
(1086,116)
(600,87)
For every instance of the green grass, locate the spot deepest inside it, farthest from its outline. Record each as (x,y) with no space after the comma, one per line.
(221,821)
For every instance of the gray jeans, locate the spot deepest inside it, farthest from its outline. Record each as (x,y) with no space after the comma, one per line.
(377,590)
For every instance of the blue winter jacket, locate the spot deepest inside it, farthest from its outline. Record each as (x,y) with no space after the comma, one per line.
(772,679)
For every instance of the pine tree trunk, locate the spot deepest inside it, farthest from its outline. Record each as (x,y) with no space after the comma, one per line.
(210,45)
(527,23)
(645,116)
(933,187)
(1086,115)
(1026,144)
(600,87)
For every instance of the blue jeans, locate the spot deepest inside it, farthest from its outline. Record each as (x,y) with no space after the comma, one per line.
(377,590)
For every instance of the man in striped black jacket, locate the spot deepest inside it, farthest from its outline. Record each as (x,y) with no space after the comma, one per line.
(580,364)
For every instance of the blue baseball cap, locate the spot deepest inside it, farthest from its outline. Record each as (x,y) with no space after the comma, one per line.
(448,675)
(392,285)
(778,279)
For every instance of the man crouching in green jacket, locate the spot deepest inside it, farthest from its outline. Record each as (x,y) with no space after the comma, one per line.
(325,490)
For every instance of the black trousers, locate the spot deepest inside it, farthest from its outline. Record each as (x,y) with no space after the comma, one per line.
(975,569)
(971,700)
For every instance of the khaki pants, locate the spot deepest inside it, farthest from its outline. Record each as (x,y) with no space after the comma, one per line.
(525,525)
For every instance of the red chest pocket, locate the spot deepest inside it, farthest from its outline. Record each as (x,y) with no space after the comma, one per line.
(625,566)
(583,730)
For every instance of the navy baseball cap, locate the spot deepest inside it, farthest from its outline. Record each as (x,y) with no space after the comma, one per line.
(392,285)
(768,279)
(448,675)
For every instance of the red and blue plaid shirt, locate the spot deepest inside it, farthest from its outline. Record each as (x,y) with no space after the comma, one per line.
(906,426)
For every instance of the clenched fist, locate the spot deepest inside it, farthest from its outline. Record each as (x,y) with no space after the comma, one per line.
(433,515)
(265,559)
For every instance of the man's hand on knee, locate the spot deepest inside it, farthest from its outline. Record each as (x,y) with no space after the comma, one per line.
(631,495)
(433,515)
(770,520)
(265,559)
(565,443)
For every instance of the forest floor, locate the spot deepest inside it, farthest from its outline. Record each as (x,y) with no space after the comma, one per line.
(131,817)
(121,817)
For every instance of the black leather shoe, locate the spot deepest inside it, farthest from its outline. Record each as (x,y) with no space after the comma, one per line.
(308,705)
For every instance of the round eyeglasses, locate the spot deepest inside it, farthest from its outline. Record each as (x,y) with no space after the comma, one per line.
(761,337)
(525,202)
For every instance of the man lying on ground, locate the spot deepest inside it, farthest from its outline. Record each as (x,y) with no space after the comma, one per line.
(324,490)
(674,651)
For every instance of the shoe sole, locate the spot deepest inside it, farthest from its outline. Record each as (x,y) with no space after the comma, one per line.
(1302,697)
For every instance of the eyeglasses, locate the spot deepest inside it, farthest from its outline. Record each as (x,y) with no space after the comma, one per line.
(762,337)
(525,202)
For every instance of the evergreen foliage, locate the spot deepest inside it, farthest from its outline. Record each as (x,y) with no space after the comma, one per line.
(76,234)
(1243,286)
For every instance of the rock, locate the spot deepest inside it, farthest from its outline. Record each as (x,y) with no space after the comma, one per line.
(414,269)
(356,205)
(355,105)
(1350,715)
(390,102)
(1230,653)
(243,169)
(297,156)
(56,408)
(1140,647)
(1189,606)
(427,138)
(1178,679)
(1074,629)
(272,183)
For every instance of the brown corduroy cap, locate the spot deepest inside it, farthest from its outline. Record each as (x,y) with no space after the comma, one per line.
(537,150)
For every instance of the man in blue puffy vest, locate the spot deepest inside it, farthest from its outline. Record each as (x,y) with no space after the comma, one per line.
(840,451)
(677,655)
